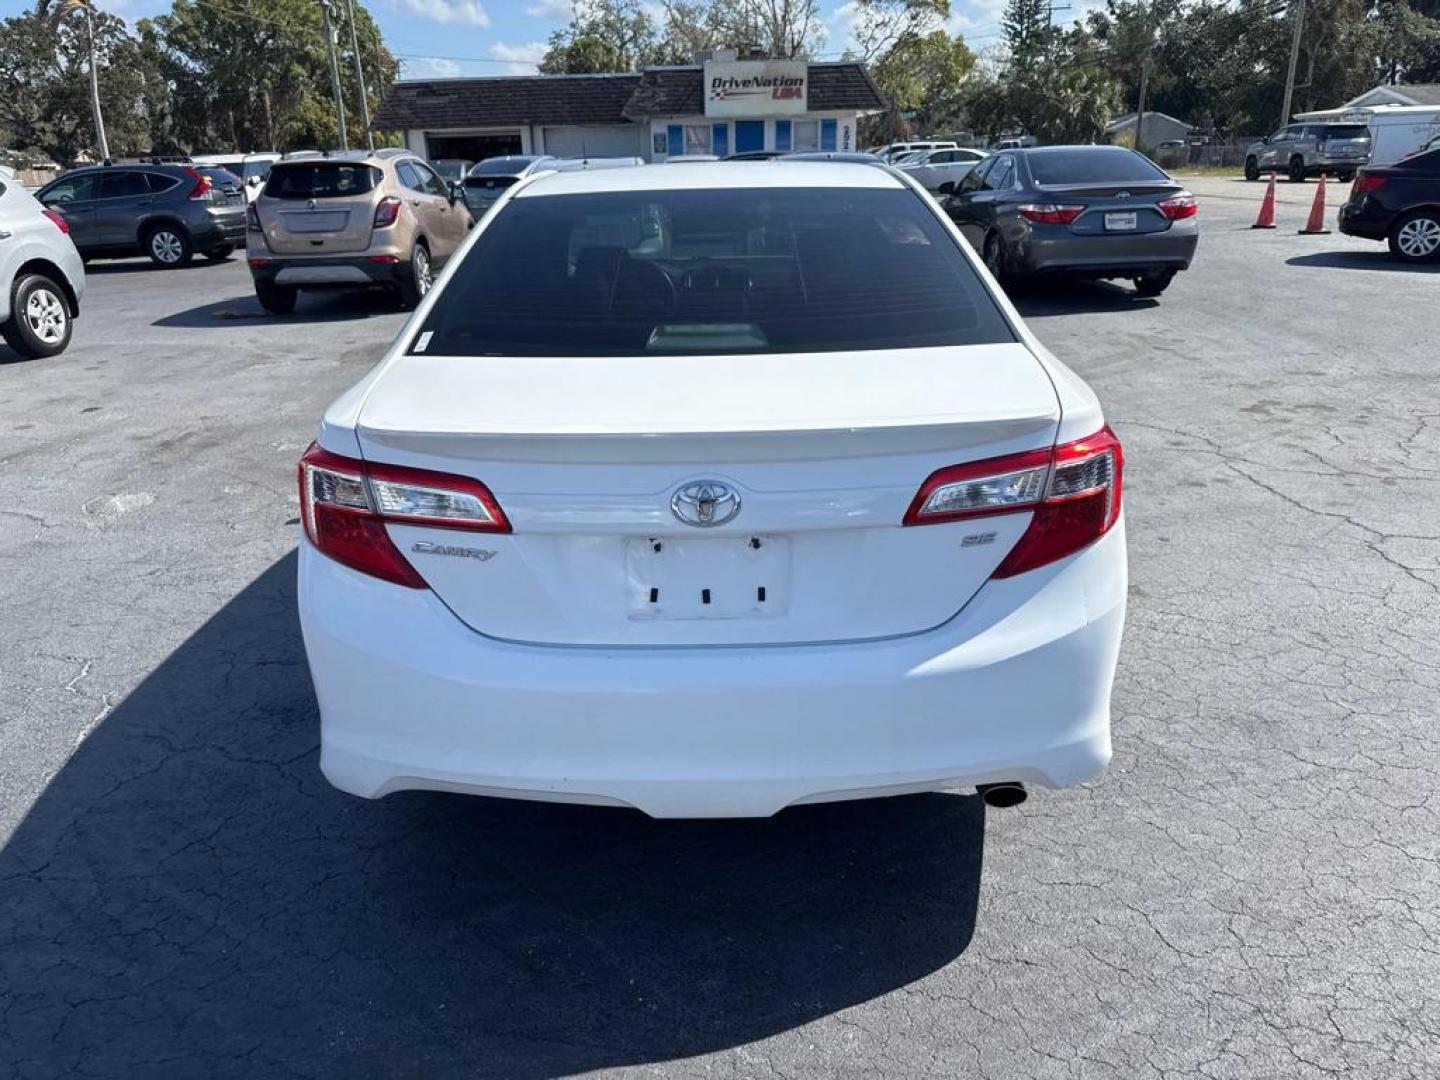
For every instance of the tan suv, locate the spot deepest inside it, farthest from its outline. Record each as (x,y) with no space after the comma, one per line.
(352,220)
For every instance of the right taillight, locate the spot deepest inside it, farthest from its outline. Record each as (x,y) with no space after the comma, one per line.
(1072,492)
(1364,185)
(1178,207)
(203,184)
(386,211)
(345,505)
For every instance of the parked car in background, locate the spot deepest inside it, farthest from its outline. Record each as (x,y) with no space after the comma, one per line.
(165,211)
(42,279)
(452,170)
(352,220)
(933,167)
(753,155)
(1082,211)
(1301,150)
(710,491)
(487,180)
(894,150)
(1399,204)
(252,169)
(854,157)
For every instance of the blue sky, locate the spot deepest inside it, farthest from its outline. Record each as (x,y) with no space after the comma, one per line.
(439,38)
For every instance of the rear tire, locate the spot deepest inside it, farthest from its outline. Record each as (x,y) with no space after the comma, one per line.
(413,288)
(1297,169)
(1153,284)
(1415,238)
(994,255)
(168,246)
(1252,169)
(221,253)
(39,323)
(276,299)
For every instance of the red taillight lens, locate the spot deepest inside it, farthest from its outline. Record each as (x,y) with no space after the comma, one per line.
(1178,207)
(1364,185)
(1050,213)
(345,505)
(1073,491)
(252,218)
(59,220)
(386,211)
(201,190)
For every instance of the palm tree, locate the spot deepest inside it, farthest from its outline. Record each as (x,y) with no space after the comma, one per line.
(63,9)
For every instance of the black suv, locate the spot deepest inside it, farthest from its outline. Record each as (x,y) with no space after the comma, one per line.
(167,212)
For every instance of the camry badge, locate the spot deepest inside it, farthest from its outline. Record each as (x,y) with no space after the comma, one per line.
(705,503)
(425,547)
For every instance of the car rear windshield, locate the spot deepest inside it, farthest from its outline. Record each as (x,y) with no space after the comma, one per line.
(321,180)
(1092,165)
(490,183)
(221,176)
(501,166)
(1346,131)
(712,271)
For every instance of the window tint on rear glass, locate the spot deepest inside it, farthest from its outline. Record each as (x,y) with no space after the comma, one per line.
(221,177)
(712,271)
(321,180)
(1345,131)
(1091,165)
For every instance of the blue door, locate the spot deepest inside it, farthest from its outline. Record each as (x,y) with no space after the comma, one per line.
(675,138)
(749,135)
(827,134)
(720,139)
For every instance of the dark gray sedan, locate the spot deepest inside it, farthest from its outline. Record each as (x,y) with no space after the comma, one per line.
(1084,211)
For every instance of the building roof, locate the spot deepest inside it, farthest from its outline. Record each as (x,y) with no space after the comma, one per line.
(511,99)
(1150,114)
(1402,94)
(593,99)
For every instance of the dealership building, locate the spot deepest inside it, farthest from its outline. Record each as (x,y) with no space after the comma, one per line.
(719,107)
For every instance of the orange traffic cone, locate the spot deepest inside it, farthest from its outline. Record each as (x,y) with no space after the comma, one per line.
(1266,220)
(1316,225)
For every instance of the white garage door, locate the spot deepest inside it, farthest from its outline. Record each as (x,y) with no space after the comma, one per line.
(618,140)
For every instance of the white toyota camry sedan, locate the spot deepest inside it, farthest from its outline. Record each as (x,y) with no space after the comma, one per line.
(712,491)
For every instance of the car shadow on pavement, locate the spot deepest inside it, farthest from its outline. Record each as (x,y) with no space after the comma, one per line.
(189,897)
(312,307)
(1063,296)
(140,264)
(1361,260)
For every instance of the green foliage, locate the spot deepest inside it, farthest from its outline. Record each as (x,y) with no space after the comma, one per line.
(244,75)
(604,35)
(921,76)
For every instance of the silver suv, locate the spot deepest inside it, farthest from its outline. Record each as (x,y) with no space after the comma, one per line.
(1301,150)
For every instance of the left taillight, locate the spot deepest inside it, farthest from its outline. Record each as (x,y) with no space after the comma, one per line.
(1179,207)
(1072,490)
(345,505)
(59,220)
(203,184)
(1050,213)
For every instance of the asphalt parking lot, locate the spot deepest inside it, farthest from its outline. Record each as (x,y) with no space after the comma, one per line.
(1250,893)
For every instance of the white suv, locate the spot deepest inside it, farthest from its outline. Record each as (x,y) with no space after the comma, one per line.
(710,491)
(42,277)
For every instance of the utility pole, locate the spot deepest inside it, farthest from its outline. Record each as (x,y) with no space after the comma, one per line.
(335,75)
(1140,109)
(1294,60)
(360,76)
(101,144)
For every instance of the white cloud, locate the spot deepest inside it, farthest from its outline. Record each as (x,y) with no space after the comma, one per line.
(520,59)
(452,12)
(432,67)
(549,9)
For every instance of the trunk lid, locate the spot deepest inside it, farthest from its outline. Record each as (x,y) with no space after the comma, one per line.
(1115,207)
(316,207)
(825,452)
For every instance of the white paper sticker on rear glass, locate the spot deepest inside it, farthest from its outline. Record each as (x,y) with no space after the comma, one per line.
(423,341)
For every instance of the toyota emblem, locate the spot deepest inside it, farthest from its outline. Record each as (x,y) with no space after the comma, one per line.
(705,503)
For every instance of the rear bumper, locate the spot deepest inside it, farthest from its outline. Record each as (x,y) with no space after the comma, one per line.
(1110,255)
(1015,687)
(221,228)
(335,271)
(1364,222)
